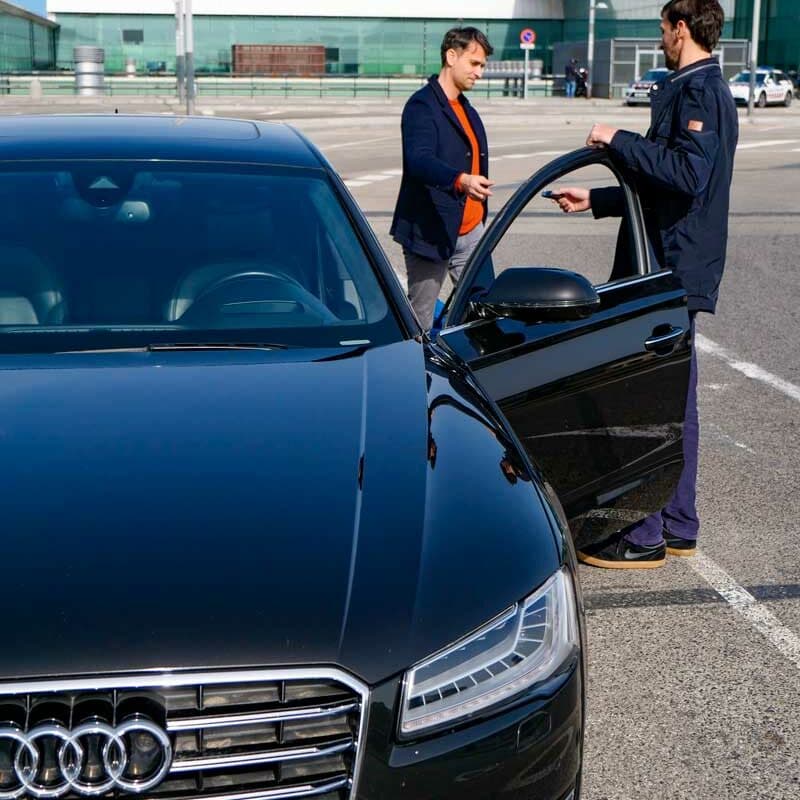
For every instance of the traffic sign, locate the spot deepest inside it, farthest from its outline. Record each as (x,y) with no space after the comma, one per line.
(527,36)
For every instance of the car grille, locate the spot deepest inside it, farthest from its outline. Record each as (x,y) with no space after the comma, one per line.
(254,735)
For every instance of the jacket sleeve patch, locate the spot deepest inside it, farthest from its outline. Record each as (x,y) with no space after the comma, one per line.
(695,125)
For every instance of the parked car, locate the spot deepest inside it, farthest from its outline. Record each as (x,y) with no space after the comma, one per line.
(638,91)
(263,536)
(795,79)
(772,87)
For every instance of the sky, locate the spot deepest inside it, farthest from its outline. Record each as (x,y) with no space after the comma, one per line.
(37,6)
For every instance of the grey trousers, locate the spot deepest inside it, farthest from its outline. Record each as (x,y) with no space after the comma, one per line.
(426,276)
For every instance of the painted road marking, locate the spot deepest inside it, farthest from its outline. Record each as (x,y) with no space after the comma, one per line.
(529,155)
(366,180)
(746,368)
(769,143)
(354,144)
(742,602)
(517,144)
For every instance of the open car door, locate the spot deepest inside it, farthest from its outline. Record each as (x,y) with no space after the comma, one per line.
(590,365)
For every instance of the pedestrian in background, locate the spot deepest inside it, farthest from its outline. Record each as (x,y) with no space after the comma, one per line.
(571,77)
(683,167)
(441,208)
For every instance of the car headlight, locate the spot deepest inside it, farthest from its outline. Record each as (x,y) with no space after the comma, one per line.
(522,646)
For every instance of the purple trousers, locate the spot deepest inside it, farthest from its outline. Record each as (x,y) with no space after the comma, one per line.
(679,516)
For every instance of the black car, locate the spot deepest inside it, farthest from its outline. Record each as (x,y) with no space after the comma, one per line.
(263,536)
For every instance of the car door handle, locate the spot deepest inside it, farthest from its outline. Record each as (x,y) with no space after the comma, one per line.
(665,342)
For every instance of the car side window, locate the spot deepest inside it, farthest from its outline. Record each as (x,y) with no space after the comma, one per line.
(543,235)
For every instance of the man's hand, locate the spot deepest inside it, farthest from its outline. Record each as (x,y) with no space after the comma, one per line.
(572,199)
(600,136)
(476,186)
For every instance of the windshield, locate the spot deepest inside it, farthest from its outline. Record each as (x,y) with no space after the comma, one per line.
(110,254)
(744,77)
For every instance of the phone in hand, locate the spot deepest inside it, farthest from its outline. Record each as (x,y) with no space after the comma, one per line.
(551,195)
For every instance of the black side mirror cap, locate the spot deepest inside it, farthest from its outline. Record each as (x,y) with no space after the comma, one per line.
(537,294)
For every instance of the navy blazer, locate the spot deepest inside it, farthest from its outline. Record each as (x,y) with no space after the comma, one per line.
(436,150)
(684,167)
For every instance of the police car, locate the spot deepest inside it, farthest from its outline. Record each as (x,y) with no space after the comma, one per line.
(638,91)
(773,87)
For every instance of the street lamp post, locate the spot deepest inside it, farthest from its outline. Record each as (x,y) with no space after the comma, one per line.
(188,40)
(180,51)
(593,6)
(751,95)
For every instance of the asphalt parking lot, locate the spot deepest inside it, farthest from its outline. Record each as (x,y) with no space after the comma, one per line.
(694,685)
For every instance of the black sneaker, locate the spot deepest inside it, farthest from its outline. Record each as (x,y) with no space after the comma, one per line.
(676,546)
(617,553)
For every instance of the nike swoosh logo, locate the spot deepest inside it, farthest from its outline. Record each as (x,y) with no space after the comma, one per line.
(630,555)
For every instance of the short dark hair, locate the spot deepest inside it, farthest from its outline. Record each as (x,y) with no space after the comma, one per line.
(462,38)
(703,18)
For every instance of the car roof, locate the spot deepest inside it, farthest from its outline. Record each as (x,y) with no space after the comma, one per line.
(123,136)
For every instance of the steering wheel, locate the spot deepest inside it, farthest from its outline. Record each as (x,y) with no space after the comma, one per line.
(256,288)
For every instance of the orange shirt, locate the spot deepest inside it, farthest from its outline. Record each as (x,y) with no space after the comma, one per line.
(473,210)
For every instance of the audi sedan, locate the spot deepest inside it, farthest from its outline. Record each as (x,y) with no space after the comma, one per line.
(263,536)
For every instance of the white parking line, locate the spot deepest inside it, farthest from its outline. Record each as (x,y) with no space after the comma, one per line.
(353,144)
(741,601)
(531,155)
(746,368)
(768,143)
(517,144)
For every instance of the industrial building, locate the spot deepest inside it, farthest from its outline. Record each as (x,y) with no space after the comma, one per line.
(27,41)
(379,37)
(359,38)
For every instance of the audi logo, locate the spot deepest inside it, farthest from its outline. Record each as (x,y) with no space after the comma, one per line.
(51,760)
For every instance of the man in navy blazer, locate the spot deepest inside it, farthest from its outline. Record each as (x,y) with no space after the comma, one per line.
(441,207)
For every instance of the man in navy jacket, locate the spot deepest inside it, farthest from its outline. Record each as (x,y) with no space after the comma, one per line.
(441,207)
(683,168)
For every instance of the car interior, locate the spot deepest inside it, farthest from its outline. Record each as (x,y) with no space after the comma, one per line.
(111,244)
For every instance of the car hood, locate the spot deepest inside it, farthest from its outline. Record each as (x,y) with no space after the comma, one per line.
(165,511)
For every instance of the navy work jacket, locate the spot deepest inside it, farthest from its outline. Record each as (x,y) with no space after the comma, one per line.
(436,150)
(683,169)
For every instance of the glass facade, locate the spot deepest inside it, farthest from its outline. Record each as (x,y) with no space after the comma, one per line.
(25,43)
(354,46)
(371,46)
(779,39)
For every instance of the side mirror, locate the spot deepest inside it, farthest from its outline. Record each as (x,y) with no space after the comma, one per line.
(537,294)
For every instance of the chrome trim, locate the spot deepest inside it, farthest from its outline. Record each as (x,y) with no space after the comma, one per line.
(632,281)
(306,790)
(70,758)
(169,679)
(223,721)
(172,679)
(265,757)
(655,341)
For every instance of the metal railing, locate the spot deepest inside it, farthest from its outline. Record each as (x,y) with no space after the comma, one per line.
(287,87)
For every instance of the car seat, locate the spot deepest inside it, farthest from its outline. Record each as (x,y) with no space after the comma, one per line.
(30,293)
